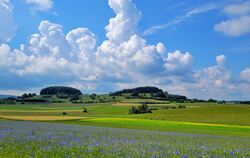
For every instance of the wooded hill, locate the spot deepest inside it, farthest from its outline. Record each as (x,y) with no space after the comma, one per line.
(60,90)
(149,92)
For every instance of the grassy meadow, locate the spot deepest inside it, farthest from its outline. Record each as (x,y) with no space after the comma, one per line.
(200,118)
(108,130)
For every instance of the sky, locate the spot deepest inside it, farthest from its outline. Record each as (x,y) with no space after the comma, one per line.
(198,48)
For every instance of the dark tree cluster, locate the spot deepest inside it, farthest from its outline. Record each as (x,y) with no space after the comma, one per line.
(212,100)
(93,96)
(74,98)
(170,97)
(140,109)
(159,94)
(29,95)
(84,109)
(174,97)
(155,93)
(31,100)
(244,102)
(138,90)
(60,90)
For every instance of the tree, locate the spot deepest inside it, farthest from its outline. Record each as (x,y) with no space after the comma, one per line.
(135,94)
(140,109)
(54,90)
(212,100)
(84,109)
(92,96)
(25,95)
(133,110)
(74,98)
(160,95)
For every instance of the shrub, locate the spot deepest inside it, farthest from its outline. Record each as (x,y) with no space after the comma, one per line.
(133,110)
(84,109)
(64,113)
(93,96)
(181,106)
(140,109)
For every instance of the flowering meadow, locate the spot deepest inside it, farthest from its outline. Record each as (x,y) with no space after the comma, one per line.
(36,139)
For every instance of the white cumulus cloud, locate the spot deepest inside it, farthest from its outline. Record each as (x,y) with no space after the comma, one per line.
(7,26)
(124,59)
(220,59)
(41,5)
(234,27)
(124,24)
(238,22)
(178,62)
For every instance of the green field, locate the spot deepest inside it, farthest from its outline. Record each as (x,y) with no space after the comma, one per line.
(199,118)
(60,128)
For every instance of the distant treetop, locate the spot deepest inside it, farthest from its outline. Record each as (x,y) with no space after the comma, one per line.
(57,90)
(146,89)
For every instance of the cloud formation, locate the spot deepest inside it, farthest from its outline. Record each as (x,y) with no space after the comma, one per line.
(238,22)
(179,63)
(245,74)
(124,59)
(234,27)
(41,5)
(7,26)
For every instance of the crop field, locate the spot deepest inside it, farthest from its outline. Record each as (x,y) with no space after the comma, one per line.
(36,139)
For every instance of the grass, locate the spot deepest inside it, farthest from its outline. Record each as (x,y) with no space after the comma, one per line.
(219,114)
(116,115)
(170,126)
(199,130)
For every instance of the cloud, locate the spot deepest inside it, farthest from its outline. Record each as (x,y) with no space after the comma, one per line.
(124,54)
(41,5)
(234,27)
(52,53)
(180,19)
(124,49)
(215,76)
(245,74)
(124,59)
(220,59)
(238,22)
(10,58)
(237,9)
(210,82)
(7,27)
(83,43)
(124,24)
(178,62)
(161,48)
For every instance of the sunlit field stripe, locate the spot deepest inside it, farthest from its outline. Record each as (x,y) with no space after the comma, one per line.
(167,122)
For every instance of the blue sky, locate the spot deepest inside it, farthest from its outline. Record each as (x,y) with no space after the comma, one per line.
(196,48)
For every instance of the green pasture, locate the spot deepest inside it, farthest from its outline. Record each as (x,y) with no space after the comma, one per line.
(170,126)
(233,119)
